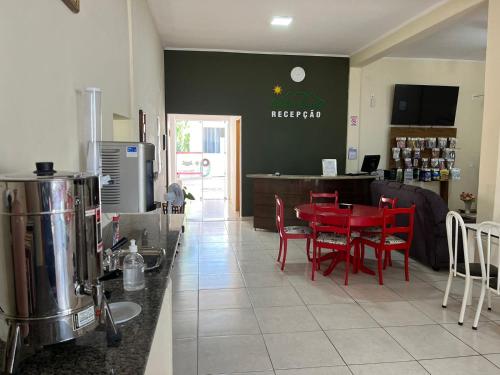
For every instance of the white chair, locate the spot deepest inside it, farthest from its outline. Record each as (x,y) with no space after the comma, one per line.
(469,271)
(490,279)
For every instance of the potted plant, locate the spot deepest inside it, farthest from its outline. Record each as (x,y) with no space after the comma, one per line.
(467,198)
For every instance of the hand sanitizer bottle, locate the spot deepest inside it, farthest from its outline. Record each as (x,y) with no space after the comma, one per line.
(133,269)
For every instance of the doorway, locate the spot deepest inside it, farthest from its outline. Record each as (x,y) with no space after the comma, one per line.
(204,158)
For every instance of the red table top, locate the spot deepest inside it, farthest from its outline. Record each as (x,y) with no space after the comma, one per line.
(361,216)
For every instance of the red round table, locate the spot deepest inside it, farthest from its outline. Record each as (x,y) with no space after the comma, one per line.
(361,217)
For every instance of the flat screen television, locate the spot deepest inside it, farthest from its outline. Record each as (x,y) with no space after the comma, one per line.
(424,105)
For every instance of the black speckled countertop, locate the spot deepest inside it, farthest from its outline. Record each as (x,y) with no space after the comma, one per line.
(90,353)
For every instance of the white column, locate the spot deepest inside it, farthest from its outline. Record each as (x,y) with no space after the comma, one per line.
(489,169)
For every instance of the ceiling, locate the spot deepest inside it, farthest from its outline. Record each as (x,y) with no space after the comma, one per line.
(464,39)
(329,27)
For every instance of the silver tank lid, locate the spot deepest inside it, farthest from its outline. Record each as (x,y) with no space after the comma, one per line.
(45,171)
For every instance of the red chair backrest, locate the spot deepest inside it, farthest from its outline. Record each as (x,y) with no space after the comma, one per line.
(334,196)
(387,202)
(390,223)
(340,220)
(279,214)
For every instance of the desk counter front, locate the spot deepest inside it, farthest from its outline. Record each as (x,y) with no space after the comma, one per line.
(294,190)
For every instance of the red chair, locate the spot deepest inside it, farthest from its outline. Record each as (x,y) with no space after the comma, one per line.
(387,241)
(336,236)
(330,196)
(289,232)
(384,202)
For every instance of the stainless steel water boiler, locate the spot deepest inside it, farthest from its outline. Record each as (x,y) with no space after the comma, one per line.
(50,257)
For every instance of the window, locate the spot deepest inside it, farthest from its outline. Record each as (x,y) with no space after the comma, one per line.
(212,139)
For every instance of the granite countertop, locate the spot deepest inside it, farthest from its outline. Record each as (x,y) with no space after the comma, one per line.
(309,177)
(90,353)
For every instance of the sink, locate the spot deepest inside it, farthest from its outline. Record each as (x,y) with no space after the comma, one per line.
(153,257)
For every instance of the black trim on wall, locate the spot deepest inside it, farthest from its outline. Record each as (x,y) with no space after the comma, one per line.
(218,83)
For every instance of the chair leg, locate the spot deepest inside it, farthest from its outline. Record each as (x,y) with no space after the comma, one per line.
(285,243)
(357,251)
(407,270)
(447,291)
(308,247)
(386,259)
(347,260)
(464,301)
(390,258)
(479,304)
(380,253)
(281,246)
(313,268)
(489,299)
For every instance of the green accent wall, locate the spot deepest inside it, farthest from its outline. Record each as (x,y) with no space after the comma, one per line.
(219,83)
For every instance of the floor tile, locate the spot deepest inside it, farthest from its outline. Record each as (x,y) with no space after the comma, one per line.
(228,322)
(369,345)
(399,313)
(256,256)
(337,370)
(318,294)
(214,268)
(224,299)
(262,279)
(427,342)
(185,268)
(184,353)
(185,282)
(274,296)
(416,290)
(285,319)
(395,368)
(342,316)
(434,310)
(221,281)
(230,354)
(371,293)
(184,324)
(301,349)
(461,366)
(494,358)
(484,340)
(248,266)
(182,301)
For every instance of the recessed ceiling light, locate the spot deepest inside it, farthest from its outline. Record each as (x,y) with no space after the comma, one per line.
(281,21)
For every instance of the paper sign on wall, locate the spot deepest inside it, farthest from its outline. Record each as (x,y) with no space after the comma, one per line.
(352,154)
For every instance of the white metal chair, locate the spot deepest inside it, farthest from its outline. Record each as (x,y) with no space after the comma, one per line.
(469,271)
(490,280)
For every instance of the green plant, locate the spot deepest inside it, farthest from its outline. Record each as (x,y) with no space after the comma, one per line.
(182,136)
(187,195)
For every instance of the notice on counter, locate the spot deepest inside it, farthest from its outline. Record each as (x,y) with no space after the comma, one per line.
(329,167)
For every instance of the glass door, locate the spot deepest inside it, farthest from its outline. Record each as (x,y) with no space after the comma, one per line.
(201,166)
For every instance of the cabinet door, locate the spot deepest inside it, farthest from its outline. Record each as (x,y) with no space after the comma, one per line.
(160,356)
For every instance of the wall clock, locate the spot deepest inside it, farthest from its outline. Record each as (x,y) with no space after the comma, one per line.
(74,5)
(298,74)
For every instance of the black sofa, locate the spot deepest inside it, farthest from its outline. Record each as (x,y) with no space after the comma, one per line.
(429,244)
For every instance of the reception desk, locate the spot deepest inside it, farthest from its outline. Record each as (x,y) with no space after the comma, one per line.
(294,190)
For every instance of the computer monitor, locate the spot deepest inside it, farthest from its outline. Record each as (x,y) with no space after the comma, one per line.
(370,163)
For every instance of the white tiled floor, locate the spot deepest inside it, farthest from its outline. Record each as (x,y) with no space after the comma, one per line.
(235,312)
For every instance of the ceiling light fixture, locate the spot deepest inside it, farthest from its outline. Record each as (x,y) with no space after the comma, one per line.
(281,21)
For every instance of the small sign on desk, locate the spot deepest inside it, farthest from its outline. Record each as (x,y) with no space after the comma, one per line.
(329,167)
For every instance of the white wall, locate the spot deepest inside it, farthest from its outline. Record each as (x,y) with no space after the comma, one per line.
(378,79)
(48,53)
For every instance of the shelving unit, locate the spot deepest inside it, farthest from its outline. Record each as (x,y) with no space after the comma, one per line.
(423,132)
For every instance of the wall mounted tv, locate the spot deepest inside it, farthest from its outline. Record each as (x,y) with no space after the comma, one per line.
(424,105)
